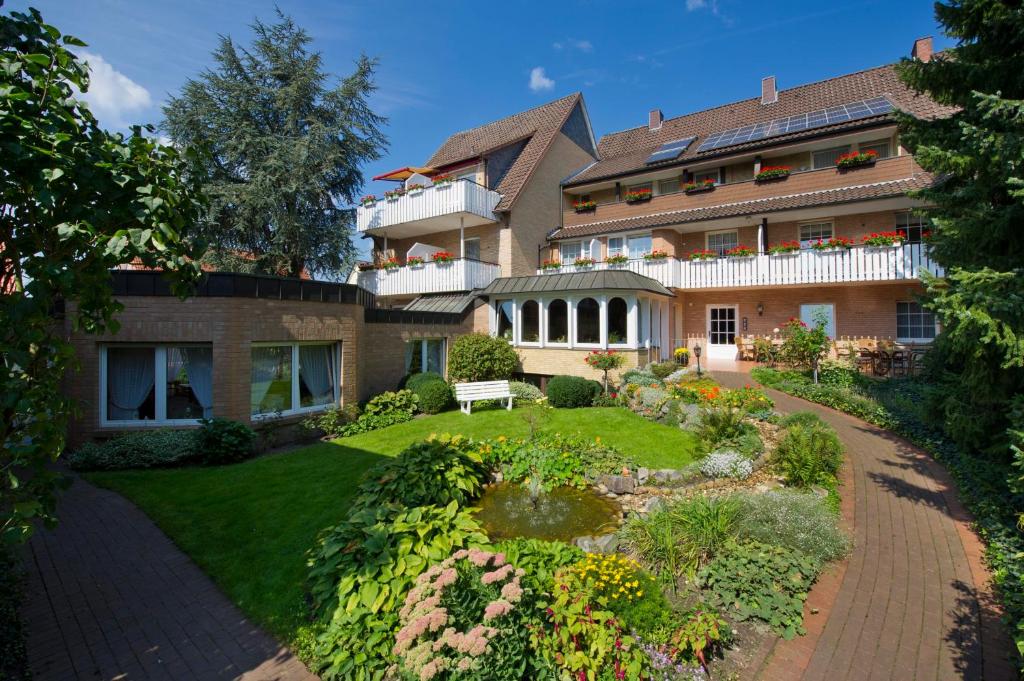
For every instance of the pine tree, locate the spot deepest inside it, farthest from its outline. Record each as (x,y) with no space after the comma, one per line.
(283,149)
(977,213)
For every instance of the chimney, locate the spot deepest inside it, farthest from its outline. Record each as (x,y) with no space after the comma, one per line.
(769,95)
(922,49)
(654,119)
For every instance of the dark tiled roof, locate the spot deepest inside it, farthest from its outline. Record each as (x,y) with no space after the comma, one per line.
(454,304)
(539,126)
(823,197)
(576,281)
(627,151)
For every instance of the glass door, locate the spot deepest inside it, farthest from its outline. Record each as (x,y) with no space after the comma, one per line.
(722,331)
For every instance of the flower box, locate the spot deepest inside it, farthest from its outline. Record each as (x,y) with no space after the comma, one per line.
(740,252)
(884,239)
(698,187)
(551,265)
(703,254)
(584,206)
(442,257)
(442,180)
(394,194)
(368,200)
(772,173)
(390,265)
(638,195)
(366,267)
(857,159)
(836,243)
(414,261)
(656,255)
(583,262)
(784,248)
(414,188)
(616,259)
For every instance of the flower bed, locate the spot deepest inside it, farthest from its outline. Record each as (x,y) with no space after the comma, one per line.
(770,173)
(884,239)
(638,195)
(856,159)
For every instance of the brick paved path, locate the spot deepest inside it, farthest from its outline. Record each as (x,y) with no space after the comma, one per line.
(109,596)
(913,602)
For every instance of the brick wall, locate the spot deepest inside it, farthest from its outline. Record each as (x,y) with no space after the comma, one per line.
(556,361)
(448,241)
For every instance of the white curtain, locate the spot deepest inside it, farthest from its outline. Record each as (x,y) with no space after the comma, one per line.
(175,363)
(316,371)
(199,369)
(435,356)
(129,381)
(264,369)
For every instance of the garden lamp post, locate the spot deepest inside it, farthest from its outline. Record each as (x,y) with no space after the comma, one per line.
(696,353)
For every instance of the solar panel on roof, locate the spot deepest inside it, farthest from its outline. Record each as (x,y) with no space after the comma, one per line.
(805,121)
(670,150)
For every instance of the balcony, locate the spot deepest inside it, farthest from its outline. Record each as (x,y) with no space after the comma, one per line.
(858,264)
(438,208)
(430,277)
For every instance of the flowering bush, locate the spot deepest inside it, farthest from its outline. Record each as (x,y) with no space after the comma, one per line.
(740,252)
(805,346)
(856,158)
(413,261)
(784,247)
(583,262)
(626,588)
(681,352)
(881,239)
(656,255)
(551,265)
(442,256)
(442,179)
(619,259)
(462,616)
(584,206)
(393,194)
(391,264)
(772,173)
(635,195)
(836,242)
(692,187)
(703,254)
(605,361)
(368,200)
(726,463)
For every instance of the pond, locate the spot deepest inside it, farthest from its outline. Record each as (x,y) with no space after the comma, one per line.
(509,510)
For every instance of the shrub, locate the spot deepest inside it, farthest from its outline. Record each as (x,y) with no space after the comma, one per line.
(652,398)
(540,560)
(808,419)
(572,391)
(726,463)
(604,361)
(640,377)
(662,370)
(836,372)
(331,422)
(413,381)
(223,441)
(697,636)
(718,424)
(759,581)
(384,410)
(552,460)
(793,520)
(434,396)
(524,392)
(142,449)
(809,455)
(630,592)
(479,357)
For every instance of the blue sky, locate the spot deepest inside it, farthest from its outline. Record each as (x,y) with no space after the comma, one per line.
(446,66)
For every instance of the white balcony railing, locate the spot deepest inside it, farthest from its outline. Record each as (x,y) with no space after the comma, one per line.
(803,267)
(433,208)
(458,275)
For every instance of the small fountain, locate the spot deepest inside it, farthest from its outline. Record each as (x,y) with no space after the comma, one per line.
(508,510)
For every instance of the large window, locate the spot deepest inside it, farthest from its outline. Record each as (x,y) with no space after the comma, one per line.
(720,242)
(616,246)
(292,378)
(558,321)
(670,186)
(880,147)
(618,315)
(588,321)
(813,232)
(569,251)
(530,312)
(914,226)
(639,245)
(812,314)
(827,157)
(715,175)
(473,248)
(156,384)
(504,309)
(914,323)
(424,354)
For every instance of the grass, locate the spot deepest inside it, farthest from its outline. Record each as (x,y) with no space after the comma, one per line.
(249,525)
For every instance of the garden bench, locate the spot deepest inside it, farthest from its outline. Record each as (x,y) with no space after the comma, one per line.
(468,393)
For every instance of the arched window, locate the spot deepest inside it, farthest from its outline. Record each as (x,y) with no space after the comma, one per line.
(530,330)
(588,321)
(617,316)
(505,319)
(558,322)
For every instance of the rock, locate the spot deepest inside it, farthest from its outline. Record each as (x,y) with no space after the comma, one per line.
(667,475)
(619,484)
(820,491)
(498,476)
(586,543)
(642,474)
(654,504)
(606,543)
(611,495)
(601,489)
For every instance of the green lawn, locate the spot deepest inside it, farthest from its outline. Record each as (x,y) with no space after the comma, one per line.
(249,525)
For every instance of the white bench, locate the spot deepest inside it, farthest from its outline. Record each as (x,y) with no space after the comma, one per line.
(468,393)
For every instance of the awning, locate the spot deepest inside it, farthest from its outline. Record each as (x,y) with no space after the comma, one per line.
(403,174)
(452,304)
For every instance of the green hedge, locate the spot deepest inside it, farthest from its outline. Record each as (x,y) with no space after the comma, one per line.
(435,396)
(572,391)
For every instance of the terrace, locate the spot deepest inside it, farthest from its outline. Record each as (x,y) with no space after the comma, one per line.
(459,274)
(456,204)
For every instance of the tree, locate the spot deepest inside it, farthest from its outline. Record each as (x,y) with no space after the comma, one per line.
(803,345)
(284,149)
(75,201)
(605,361)
(977,152)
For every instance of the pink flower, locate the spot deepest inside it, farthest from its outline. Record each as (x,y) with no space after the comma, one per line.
(446,578)
(512,592)
(430,670)
(496,609)
(499,560)
(478,557)
(497,575)
(460,554)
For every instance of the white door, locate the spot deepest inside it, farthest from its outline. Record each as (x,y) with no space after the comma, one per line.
(722,331)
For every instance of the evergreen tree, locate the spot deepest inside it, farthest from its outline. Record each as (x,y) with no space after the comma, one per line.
(284,149)
(977,154)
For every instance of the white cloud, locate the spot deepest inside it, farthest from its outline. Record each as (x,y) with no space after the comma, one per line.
(573,44)
(692,5)
(539,81)
(112,96)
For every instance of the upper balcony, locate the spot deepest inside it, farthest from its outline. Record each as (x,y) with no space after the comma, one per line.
(461,274)
(437,208)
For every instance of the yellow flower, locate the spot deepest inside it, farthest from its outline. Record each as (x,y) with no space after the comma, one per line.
(639,594)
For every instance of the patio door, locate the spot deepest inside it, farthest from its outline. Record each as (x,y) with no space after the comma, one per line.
(722,331)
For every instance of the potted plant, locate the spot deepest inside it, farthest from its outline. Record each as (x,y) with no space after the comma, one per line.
(551,265)
(740,252)
(368,200)
(784,248)
(442,180)
(836,243)
(856,159)
(414,261)
(770,173)
(414,188)
(390,264)
(394,194)
(584,206)
(698,187)
(703,254)
(617,259)
(442,257)
(884,239)
(583,262)
(366,266)
(638,195)
(656,254)
(682,356)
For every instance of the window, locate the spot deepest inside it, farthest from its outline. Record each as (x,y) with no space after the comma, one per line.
(721,242)
(569,251)
(504,310)
(637,246)
(588,321)
(530,330)
(153,385)
(558,321)
(424,354)
(914,323)
(880,147)
(813,232)
(467,175)
(914,226)
(473,248)
(288,379)
(811,315)
(715,174)
(670,186)
(618,315)
(827,157)
(616,246)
